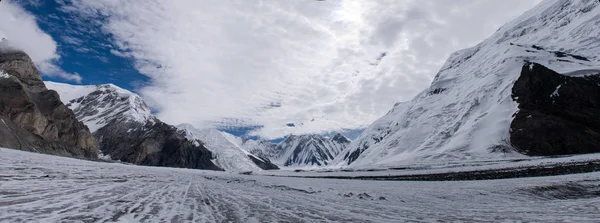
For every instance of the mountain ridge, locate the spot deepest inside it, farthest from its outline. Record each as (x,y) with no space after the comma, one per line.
(467,111)
(32,117)
(126,130)
(227,149)
(309,150)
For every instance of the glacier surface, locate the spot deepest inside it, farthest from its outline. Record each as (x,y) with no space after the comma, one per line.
(43,188)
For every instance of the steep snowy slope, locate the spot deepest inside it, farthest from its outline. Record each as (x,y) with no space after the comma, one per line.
(226,150)
(260,148)
(98,105)
(467,112)
(309,150)
(126,130)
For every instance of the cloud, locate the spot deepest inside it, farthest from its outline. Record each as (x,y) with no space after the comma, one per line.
(20,30)
(320,62)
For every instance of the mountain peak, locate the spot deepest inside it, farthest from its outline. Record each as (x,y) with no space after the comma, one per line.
(309,150)
(339,138)
(467,112)
(98,105)
(228,150)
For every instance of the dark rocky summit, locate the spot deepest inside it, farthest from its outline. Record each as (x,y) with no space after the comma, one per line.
(33,118)
(557,115)
(341,139)
(153,143)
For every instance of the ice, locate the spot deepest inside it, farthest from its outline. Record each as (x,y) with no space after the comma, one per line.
(555,93)
(4,75)
(42,188)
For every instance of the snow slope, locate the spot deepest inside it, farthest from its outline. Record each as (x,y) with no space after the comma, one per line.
(260,148)
(42,188)
(98,105)
(467,111)
(308,150)
(225,148)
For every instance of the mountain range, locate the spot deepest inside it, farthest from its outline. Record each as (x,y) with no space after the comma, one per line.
(308,150)
(531,89)
(118,117)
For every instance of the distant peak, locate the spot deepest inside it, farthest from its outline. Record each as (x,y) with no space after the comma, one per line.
(340,138)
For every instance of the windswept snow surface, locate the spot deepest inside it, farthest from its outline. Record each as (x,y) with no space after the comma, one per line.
(43,188)
(225,148)
(98,105)
(467,111)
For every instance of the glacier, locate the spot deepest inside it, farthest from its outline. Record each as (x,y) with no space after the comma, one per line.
(62,189)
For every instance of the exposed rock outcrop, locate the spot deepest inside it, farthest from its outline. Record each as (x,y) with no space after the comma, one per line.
(263,163)
(152,143)
(466,115)
(557,114)
(33,118)
(127,131)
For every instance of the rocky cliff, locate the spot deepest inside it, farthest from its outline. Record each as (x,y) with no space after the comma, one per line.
(152,143)
(558,114)
(33,118)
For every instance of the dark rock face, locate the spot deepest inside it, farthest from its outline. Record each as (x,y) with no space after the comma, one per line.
(353,156)
(558,115)
(263,163)
(33,118)
(153,144)
(341,139)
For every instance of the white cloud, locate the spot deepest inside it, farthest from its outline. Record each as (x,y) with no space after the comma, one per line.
(21,31)
(319,62)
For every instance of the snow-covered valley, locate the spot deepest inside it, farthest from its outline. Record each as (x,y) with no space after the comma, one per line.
(508,131)
(70,190)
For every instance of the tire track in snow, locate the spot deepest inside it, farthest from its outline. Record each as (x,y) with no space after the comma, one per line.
(82,191)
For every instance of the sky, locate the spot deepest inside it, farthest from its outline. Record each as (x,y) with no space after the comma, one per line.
(260,68)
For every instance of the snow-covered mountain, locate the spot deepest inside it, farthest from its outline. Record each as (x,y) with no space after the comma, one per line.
(468,111)
(98,105)
(125,129)
(120,120)
(227,150)
(260,148)
(308,150)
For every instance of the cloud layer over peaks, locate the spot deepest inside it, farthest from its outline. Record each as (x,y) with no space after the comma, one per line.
(290,66)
